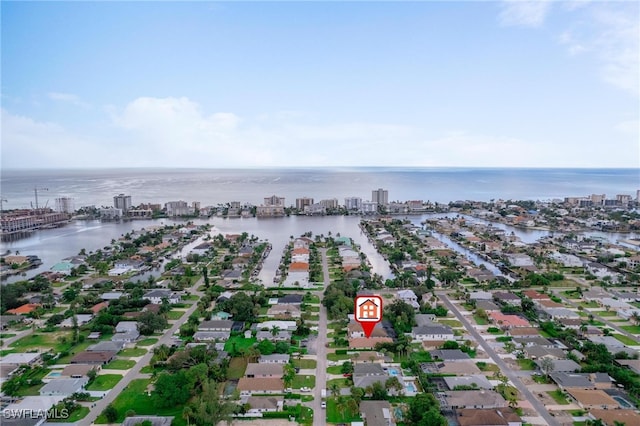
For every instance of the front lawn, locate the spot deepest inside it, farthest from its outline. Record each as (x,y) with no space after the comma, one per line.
(238,344)
(483,366)
(450,322)
(526,364)
(104,382)
(237,367)
(120,364)
(340,414)
(77,414)
(303,381)
(633,329)
(626,340)
(559,397)
(175,315)
(334,369)
(480,320)
(337,357)
(132,352)
(135,398)
(148,341)
(343,383)
(305,363)
(604,313)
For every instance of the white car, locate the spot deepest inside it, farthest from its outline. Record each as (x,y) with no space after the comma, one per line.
(323,405)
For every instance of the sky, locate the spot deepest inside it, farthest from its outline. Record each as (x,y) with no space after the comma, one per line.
(320,84)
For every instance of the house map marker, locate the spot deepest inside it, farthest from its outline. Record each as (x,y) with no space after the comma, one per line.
(368,312)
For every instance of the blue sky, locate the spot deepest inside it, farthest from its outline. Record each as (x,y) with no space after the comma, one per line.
(487,84)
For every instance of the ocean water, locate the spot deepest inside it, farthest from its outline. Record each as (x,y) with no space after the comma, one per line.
(215,186)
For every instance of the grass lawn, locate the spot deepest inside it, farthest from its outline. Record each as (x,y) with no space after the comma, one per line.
(337,357)
(591,304)
(343,383)
(77,348)
(526,364)
(174,315)
(240,343)
(312,298)
(135,398)
(539,378)
(480,321)
(148,341)
(6,335)
(335,369)
(604,313)
(305,363)
(558,397)
(34,341)
(132,352)
(303,381)
(76,415)
(147,369)
(104,382)
(237,367)
(634,329)
(120,364)
(626,340)
(334,415)
(508,392)
(450,322)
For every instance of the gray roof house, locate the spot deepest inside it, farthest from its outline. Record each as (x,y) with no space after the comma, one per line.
(126,337)
(274,359)
(216,325)
(366,374)
(124,326)
(376,413)
(154,420)
(64,387)
(432,332)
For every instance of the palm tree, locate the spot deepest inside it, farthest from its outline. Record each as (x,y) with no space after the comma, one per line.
(334,389)
(635,318)
(547,366)
(187,412)
(275,330)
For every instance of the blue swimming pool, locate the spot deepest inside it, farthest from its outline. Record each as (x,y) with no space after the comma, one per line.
(623,402)
(410,387)
(55,374)
(393,372)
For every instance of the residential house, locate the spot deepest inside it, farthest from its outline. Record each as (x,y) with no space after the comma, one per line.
(77,371)
(507,298)
(249,386)
(261,370)
(432,332)
(593,398)
(274,359)
(472,399)
(366,374)
(539,352)
(449,355)
(216,325)
(22,358)
(90,357)
(81,319)
(477,381)
(377,413)
(64,387)
(211,336)
(111,295)
(508,321)
(25,309)
(280,336)
(409,297)
(281,311)
(291,299)
(106,347)
(264,404)
(503,416)
(562,365)
(156,296)
(481,295)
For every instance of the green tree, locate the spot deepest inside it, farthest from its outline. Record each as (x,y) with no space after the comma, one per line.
(110,413)
(172,389)
(150,322)
(424,410)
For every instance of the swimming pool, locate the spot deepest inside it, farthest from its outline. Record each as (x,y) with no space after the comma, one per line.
(393,372)
(623,402)
(410,387)
(55,374)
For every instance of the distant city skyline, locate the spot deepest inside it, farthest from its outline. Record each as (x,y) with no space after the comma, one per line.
(306,84)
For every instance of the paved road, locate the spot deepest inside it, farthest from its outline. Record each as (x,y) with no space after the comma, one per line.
(319,415)
(599,318)
(134,372)
(524,391)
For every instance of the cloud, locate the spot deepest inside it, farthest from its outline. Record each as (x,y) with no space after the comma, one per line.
(69,98)
(177,132)
(524,13)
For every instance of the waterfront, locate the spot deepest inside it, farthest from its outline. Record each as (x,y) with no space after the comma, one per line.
(53,245)
(214,186)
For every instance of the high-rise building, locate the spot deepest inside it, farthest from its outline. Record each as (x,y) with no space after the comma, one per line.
(331,203)
(65,205)
(353,203)
(303,202)
(178,208)
(274,200)
(122,202)
(380,196)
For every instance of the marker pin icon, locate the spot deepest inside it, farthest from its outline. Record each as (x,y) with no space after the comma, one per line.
(368,312)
